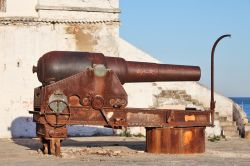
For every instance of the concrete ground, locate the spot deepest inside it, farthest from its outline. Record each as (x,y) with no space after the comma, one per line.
(110,151)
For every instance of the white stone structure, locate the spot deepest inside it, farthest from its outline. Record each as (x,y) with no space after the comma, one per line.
(30,28)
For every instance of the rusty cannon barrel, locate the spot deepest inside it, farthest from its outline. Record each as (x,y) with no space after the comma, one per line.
(57,65)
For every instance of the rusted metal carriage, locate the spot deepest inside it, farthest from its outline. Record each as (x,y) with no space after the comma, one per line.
(80,88)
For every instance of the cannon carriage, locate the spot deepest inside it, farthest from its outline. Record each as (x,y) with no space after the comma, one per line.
(80,88)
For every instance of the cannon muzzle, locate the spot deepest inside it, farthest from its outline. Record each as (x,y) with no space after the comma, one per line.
(57,65)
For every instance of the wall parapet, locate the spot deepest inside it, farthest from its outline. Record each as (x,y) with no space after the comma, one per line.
(10,20)
(82,9)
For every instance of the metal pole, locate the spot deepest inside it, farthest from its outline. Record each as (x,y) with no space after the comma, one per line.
(212,103)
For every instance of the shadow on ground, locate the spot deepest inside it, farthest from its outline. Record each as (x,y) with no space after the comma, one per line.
(34,143)
(134,145)
(23,133)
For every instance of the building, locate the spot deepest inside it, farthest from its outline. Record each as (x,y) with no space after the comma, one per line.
(30,28)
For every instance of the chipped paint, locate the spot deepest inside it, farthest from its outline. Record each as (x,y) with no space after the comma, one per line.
(84,36)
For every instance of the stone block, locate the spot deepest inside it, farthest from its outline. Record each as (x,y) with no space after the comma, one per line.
(247,135)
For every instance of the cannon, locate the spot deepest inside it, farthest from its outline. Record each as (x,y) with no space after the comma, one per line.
(57,65)
(82,88)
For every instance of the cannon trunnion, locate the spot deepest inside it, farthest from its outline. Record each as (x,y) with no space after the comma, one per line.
(86,89)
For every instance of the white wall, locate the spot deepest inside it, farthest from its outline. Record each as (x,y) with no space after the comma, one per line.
(139,94)
(78,9)
(23,42)
(34,8)
(20,8)
(21,46)
(77,3)
(142,94)
(195,89)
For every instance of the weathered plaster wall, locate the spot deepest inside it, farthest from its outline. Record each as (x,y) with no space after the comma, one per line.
(59,9)
(85,3)
(142,94)
(94,38)
(30,28)
(202,93)
(20,8)
(79,9)
(24,42)
(139,94)
(21,46)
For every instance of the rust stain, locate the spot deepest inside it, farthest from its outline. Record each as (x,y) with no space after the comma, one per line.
(74,101)
(189,118)
(188,135)
(84,35)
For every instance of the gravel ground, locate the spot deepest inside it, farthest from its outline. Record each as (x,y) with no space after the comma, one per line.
(120,151)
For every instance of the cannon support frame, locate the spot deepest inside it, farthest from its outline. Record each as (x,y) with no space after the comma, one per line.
(96,105)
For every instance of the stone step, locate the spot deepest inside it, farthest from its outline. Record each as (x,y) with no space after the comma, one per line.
(231,134)
(247,135)
(247,127)
(182,92)
(216,116)
(199,104)
(187,98)
(223,118)
(174,91)
(229,128)
(177,96)
(228,123)
(195,102)
(207,108)
(163,95)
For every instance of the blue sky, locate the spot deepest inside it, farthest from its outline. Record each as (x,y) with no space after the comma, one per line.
(183,32)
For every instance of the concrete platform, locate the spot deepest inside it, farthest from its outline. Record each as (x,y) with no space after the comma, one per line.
(120,151)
